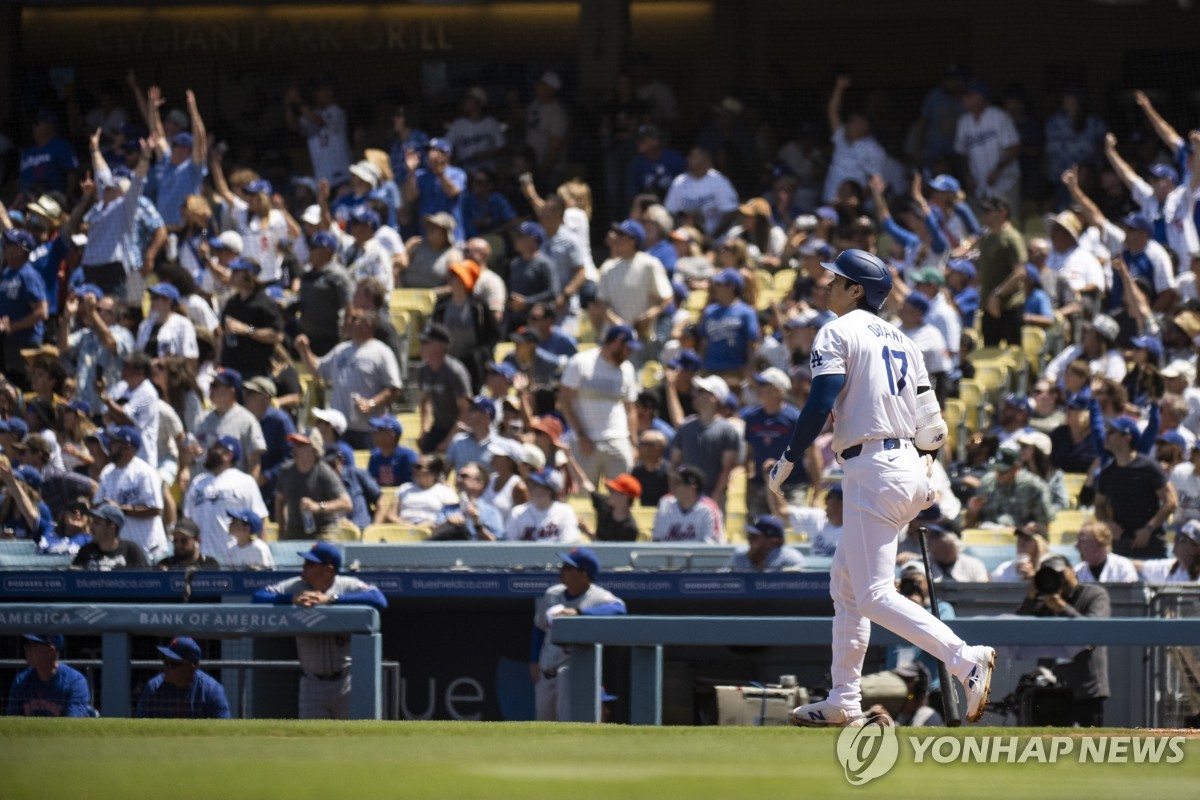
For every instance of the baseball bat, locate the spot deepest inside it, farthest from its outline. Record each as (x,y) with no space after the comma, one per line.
(949,692)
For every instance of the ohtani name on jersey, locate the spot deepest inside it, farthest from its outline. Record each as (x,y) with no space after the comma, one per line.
(885,331)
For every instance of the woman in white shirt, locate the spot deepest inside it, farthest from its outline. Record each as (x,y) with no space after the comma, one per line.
(164,332)
(420,501)
(264,230)
(1184,567)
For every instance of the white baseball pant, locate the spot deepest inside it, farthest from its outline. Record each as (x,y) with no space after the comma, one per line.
(325,699)
(552,696)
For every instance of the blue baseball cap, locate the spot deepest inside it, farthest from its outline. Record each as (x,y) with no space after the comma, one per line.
(229,377)
(1165,171)
(340,450)
(244,265)
(686,360)
(1151,344)
(1019,401)
(109,512)
(16,426)
(623,334)
(484,404)
(126,434)
(324,553)
(365,216)
(21,238)
(387,423)
(633,229)
(29,476)
(440,144)
(182,140)
(80,407)
(232,445)
(945,183)
(182,648)
(502,368)
(55,640)
(165,290)
(89,288)
(249,517)
(1138,222)
(978,87)
(533,231)
(547,478)
(262,185)
(323,239)
(962,267)
(827,213)
(1080,401)
(728,277)
(918,301)
(582,558)
(1124,425)
(765,525)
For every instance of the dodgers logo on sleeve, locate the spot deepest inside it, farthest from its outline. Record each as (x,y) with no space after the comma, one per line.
(816,360)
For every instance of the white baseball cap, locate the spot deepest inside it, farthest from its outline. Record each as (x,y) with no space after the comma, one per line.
(714,385)
(1181,368)
(335,418)
(552,80)
(366,171)
(532,455)
(230,240)
(776,377)
(1035,439)
(312,214)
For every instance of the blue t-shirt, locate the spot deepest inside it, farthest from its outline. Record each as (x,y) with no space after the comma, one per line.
(1038,303)
(767,435)
(204,699)
(968,305)
(47,166)
(46,259)
(174,182)
(392,470)
(486,215)
(664,251)
(434,199)
(416,140)
(663,427)
(654,176)
(20,527)
(1140,266)
(364,492)
(64,695)
(20,290)
(728,332)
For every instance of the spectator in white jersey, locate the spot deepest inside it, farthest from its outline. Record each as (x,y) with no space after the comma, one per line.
(324,658)
(703,191)
(686,514)
(324,126)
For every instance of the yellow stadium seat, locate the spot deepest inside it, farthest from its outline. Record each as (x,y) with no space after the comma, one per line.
(1073,483)
(697,300)
(361,457)
(501,351)
(784,280)
(763,280)
(652,374)
(395,534)
(644,517)
(971,394)
(993,379)
(954,412)
(420,300)
(1064,528)
(347,531)
(270,532)
(1033,345)
(988,537)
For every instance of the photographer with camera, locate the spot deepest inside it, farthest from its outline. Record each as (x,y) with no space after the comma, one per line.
(1055,591)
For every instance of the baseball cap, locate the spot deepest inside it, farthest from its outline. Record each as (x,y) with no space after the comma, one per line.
(365,216)
(503,368)
(1106,326)
(1138,222)
(263,385)
(387,423)
(728,277)
(524,335)
(817,248)
(1151,344)
(260,186)
(1006,458)
(107,511)
(828,213)
(1181,368)
(551,426)
(335,418)
(508,448)
(229,240)
(686,360)
(478,93)
(766,525)
(165,290)
(312,438)
(484,404)
(249,517)
(1165,171)
(533,231)
(232,445)
(1189,530)
(323,239)
(229,377)
(1019,401)
(126,434)
(533,456)
(649,131)
(582,558)
(691,475)
(442,145)
(714,385)
(931,275)
(21,238)
(1123,425)
(467,272)
(366,172)
(55,640)
(1036,439)
(625,484)
(80,407)
(240,264)
(29,476)
(633,229)
(182,140)
(89,288)
(945,183)
(623,334)
(774,376)
(182,525)
(547,478)
(1176,438)
(182,649)
(436,333)
(962,267)
(443,220)
(312,215)
(1056,563)
(16,426)
(324,553)
(918,301)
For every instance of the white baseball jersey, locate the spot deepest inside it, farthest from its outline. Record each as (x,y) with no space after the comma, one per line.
(983,141)
(1176,212)
(469,137)
(1187,488)
(328,146)
(932,344)
(1117,569)
(329,653)
(552,656)
(208,501)
(529,523)
(1110,365)
(1078,267)
(176,336)
(261,239)
(256,553)
(372,260)
(1113,237)
(700,523)
(883,369)
(141,406)
(136,484)
(712,194)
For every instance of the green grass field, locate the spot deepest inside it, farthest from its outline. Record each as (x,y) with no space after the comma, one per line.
(131,760)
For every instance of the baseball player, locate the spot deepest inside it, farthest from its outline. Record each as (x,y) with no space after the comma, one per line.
(576,593)
(325,658)
(182,690)
(873,378)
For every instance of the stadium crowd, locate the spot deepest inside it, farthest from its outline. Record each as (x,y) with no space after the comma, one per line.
(422,336)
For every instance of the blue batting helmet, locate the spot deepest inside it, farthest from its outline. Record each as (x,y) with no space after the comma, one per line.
(867,271)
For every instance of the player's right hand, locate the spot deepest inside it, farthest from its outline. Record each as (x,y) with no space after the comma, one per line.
(779,474)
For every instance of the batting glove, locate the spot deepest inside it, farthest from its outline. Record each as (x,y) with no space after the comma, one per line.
(779,474)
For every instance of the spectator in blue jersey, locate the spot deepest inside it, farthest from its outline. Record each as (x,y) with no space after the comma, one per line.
(654,166)
(960,281)
(554,346)
(532,276)
(390,464)
(407,139)
(23,305)
(472,444)
(23,515)
(473,517)
(182,690)
(439,186)
(1039,311)
(658,224)
(277,426)
(768,423)
(728,327)
(49,164)
(363,490)
(42,220)
(183,163)
(364,180)
(485,210)
(48,688)
(919,236)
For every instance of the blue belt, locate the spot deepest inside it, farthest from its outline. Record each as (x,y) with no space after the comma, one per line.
(851,452)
